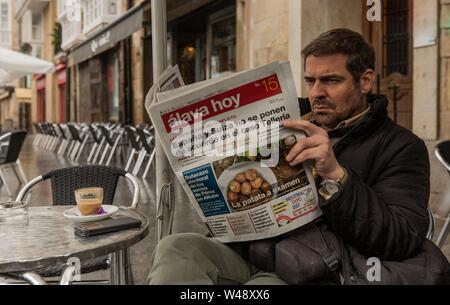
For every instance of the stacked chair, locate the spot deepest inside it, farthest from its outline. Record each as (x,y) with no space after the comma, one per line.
(131,148)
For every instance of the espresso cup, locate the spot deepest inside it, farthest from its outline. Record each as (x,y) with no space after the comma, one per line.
(89,200)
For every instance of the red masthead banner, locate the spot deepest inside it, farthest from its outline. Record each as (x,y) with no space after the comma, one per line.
(225,102)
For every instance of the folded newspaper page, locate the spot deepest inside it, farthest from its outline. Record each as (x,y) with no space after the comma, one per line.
(225,144)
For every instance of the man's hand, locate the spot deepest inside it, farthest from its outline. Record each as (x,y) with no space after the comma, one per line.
(316,148)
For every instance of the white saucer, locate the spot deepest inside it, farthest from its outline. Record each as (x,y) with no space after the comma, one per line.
(75,215)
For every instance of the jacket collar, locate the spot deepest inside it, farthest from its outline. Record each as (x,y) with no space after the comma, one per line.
(376,116)
(377,113)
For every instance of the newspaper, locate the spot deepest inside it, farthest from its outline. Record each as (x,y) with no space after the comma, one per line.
(224,142)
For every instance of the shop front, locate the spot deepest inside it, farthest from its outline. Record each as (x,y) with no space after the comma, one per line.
(203,42)
(40,91)
(103,67)
(61,77)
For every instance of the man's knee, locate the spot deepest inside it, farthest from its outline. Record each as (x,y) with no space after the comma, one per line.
(181,243)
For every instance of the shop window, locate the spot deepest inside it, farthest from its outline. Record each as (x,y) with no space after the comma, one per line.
(36,26)
(397,37)
(221,43)
(112,7)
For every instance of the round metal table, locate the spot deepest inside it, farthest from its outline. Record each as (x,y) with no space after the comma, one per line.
(47,239)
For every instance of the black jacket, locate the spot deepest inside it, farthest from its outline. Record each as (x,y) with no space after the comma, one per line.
(381,213)
(382,210)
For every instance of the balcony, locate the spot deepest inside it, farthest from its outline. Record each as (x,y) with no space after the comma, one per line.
(36,6)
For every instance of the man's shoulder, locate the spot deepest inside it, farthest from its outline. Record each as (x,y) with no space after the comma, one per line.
(399,137)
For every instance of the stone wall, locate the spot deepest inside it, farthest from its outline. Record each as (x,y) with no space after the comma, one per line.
(445,70)
(262,35)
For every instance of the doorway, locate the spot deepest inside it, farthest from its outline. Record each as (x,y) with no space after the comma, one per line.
(393,43)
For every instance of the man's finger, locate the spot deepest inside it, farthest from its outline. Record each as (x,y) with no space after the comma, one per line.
(303,144)
(307,154)
(306,126)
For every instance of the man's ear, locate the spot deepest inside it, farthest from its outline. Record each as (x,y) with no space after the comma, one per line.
(367,81)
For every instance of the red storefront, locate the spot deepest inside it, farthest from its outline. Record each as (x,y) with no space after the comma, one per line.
(61,81)
(40,90)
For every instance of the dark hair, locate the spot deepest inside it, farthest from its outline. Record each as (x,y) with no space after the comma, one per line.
(361,55)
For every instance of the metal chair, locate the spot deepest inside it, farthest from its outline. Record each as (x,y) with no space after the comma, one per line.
(10,146)
(134,144)
(98,143)
(431,225)
(148,151)
(64,182)
(442,153)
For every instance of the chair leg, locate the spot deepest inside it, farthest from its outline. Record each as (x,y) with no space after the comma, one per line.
(100,147)
(8,190)
(75,150)
(150,161)
(105,152)
(69,151)
(61,147)
(113,150)
(114,269)
(80,151)
(21,172)
(139,161)
(125,268)
(130,159)
(443,234)
(68,276)
(91,154)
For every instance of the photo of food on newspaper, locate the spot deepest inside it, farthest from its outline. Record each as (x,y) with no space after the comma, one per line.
(246,184)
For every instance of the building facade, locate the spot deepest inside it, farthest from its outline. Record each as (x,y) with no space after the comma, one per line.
(104,67)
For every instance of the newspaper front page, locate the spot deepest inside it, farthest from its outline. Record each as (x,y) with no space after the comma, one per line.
(225,144)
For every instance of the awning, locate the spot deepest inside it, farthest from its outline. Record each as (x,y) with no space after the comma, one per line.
(107,38)
(14,65)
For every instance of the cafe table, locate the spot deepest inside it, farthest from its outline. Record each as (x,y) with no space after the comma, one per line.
(46,239)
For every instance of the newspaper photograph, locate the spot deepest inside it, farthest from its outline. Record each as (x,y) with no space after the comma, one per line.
(224,142)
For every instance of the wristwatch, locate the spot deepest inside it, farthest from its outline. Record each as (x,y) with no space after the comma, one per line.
(330,187)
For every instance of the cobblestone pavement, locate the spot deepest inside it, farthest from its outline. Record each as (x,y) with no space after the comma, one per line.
(36,162)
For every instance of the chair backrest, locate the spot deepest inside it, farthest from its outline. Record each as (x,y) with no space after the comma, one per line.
(93,134)
(15,146)
(106,134)
(442,152)
(74,133)
(132,137)
(144,138)
(65,181)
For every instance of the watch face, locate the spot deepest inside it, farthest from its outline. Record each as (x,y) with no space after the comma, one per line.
(332,188)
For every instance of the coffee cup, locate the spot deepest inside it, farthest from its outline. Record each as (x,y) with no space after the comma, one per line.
(89,200)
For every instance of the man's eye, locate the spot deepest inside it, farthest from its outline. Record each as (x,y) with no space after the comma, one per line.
(310,82)
(333,81)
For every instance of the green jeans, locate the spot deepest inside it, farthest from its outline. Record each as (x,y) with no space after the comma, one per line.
(194,259)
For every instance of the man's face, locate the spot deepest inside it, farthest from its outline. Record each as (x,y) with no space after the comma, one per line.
(332,91)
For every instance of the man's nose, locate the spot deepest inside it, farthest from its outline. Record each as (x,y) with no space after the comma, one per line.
(317,91)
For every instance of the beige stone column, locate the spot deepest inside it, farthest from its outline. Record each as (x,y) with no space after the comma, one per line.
(445,70)
(137,76)
(425,79)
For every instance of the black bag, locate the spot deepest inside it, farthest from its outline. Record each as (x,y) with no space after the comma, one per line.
(306,255)
(299,257)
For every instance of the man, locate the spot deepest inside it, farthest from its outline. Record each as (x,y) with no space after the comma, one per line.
(373,182)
